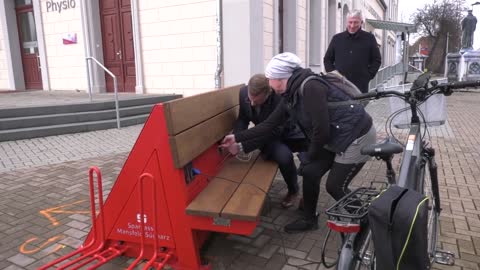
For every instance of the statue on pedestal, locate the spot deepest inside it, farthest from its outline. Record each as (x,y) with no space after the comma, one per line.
(469,24)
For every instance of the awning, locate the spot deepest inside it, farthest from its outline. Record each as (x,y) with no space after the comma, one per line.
(393,26)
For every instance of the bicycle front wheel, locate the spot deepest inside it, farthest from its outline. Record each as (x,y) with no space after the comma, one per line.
(430,189)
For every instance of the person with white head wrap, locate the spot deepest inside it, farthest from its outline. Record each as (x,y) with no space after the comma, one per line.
(335,134)
(282,66)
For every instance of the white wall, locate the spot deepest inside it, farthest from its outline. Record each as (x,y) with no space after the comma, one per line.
(179,45)
(66,63)
(236,42)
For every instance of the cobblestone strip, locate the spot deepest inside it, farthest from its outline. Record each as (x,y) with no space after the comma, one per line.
(61,148)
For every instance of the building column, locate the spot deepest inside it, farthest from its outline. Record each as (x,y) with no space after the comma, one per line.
(316,34)
(242,59)
(42,51)
(8,18)
(290,36)
(93,43)
(137,47)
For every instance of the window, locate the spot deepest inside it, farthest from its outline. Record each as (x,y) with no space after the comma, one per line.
(28,34)
(22,2)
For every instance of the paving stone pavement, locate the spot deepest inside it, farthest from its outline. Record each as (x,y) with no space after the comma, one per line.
(44,207)
(61,148)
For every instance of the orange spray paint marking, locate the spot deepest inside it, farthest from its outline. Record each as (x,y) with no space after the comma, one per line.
(25,250)
(58,210)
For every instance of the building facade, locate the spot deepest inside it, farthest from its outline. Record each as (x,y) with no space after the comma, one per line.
(169,46)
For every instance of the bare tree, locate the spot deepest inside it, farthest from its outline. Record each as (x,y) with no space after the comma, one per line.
(436,21)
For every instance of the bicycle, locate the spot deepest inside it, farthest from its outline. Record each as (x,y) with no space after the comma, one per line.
(348,216)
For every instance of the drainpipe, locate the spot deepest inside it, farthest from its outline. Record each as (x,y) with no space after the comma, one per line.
(280,26)
(384,38)
(219,30)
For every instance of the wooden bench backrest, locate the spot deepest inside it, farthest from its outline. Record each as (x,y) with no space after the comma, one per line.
(195,123)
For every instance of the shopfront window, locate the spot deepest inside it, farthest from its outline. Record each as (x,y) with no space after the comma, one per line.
(22,2)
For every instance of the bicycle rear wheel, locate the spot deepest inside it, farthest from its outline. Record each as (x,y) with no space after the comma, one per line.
(366,254)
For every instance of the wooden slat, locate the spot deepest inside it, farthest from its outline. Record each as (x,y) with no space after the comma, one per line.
(192,142)
(247,201)
(245,204)
(236,170)
(185,113)
(262,174)
(212,199)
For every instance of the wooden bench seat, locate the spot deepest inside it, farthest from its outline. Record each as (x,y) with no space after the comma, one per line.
(239,189)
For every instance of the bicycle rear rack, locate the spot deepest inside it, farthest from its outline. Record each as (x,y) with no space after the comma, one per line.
(100,249)
(354,206)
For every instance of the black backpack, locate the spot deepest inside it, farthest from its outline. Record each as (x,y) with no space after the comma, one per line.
(331,79)
(398,220)
(336,80)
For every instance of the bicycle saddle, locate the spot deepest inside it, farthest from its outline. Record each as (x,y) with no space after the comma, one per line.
(386,148)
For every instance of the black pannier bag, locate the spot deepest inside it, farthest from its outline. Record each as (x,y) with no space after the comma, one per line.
(398,220)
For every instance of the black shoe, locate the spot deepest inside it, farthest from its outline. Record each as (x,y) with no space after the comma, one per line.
(302,225)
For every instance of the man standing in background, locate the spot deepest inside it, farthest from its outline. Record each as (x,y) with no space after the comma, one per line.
(354,53)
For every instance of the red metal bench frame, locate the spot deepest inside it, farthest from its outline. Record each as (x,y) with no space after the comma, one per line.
(179,236)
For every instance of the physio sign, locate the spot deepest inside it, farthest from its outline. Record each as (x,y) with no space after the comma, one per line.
(59,6)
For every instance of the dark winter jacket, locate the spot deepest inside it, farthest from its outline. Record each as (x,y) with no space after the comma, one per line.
(356,56)
(247,114)
(334,128)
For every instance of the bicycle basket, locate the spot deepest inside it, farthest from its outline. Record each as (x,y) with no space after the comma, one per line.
(353,206)
(434,109)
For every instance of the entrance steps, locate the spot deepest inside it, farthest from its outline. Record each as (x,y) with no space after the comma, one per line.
(48,120)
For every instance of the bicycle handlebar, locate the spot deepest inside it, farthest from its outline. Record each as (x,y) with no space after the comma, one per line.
(420,93)
(460,85)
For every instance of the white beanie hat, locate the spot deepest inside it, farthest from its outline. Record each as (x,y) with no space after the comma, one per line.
(282,66)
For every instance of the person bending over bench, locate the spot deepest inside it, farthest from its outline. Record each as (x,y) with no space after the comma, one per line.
(257,101)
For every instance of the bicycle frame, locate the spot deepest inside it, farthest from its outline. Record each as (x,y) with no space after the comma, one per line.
(411,166)
(412,173)
(412,169)
(411,176)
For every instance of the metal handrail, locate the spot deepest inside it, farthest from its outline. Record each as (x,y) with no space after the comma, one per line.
(415,68)
(115,85)
(384,74)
